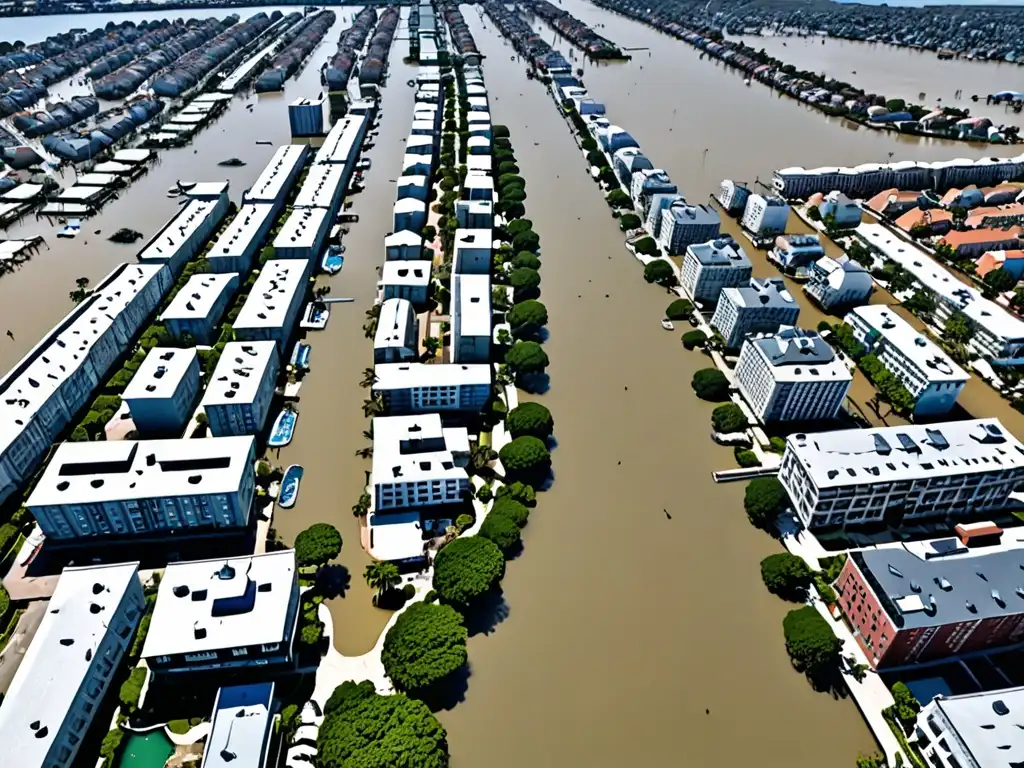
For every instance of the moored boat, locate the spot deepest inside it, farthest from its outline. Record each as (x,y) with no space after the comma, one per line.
(300,355)
(667,325)
(333,260)
(290,486)
(283,429)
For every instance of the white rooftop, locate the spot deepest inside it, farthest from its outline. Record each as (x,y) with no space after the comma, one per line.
(239,372)
(925,354)
(239,234)
(419,140)
(393,323)
(474,238)
(407,375)
(271,295)
(409,205)
(322,187)
(179,231)
(340,142)
(412,180)
(474,304)
(412,448)
(798,355)
(132,156)
(406,272)
(303,227)
(160,374)
(987,725)
(241,729)
(58,659)
(86,180)
(269,187)
(237,601)
(208,189)
(403,237)
(198,296)
(396,536)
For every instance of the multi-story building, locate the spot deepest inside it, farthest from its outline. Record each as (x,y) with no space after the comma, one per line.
(323,187)
(626,162)
(412,186)
(64,675)
(306,116)
(710,267)
(403,246)
(242,727)
(183,237)
(732,196)
(928,373)
(408,280)
(224,614)
(760,307)
(344,142)
(613,138)
(793,252)
(765,215)
(278,177)
(471,318)
(792,376)
(416,462)
(658,204)
(683,224)
(478,186)
(973,730)
(851,477)
(303,234)
(418,144)
(409,213)
(421,388)
(197,308)
(475,214)
(41,394)
(163,392)
(237,399)
(144,489)
(472,252)
(397,336)
(236,248)
(1011,261)
(973,243)
(647,183)
(420,165)
(274,302)
(931,600)
(845,211)
(837,283)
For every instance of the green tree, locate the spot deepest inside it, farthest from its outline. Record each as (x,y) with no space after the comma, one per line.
(382,576)
(727,418)
(680,309)
(526,260)
(317,545)
(764,500)
(998,281)
(694,338)
(811,644)
(786,575)
(131,689)
(514,510)
(519,225)
(424,646)
(81,291)
(659,272)
(517,491)
(906,705)
(957,329)
(629,221)
(617,199)
(646,246)
(710,384)
(526,357)
(468,568)
(527,317)
(530,419)
(525,457)
(526,241)
(501,530)
(922,303)
(902,280)
(525,283)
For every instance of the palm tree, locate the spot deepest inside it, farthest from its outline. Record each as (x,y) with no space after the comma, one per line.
(374,406)
(369,378)
(382,577)
(480,456)
(361,507)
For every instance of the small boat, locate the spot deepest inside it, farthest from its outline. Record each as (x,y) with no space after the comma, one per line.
(667,325)
(74,226)
(300,355)
(290,487)
(333,260)
(315,317)
(283,429)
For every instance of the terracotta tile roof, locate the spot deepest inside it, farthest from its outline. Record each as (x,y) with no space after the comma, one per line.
(956,239)
(978,215)
(915,217)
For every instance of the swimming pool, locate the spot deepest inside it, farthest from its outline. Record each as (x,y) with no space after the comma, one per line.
(146,750)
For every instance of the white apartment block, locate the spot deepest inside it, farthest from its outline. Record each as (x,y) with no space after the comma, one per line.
(846,211)
(856,476)
(409,213)
(974,730)
(274,303)
(403,245)
(323,187)
(303,234)
(278,177)
(407,280)
(683,224)
(471,318)
(412,186)
(761,307)
(765,215)
(237,399)
(42,393)
(236,248)
(710,267)
(76,652)
(429,388)
(397,336)
(733,196)
(478,187)
(146,488)
(792,376)
(197,308)
(928,373)
(163,392)
(227,613)
(344,141)
(415,462)
(475,214)
(838,283)
(183,237)
(242,727)
(472,251)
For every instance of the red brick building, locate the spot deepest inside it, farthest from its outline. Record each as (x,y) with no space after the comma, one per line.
(939,601)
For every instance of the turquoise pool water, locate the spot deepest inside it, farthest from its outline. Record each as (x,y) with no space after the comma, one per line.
(146,750)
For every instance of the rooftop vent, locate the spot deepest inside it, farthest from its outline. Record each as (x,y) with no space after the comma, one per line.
(1000,708)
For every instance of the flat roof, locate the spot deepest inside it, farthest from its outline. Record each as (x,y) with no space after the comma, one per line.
(473,304)
(770,292)
(341,140)
(410,160)
(322,187)
(179,231)
(303,227)
(122,470)
(198,296)
(241,729)
(412,180)
(408,449)
(419,140)
(238,236)
(474,238)
(59,658)
(396,536)
(409,375)
(478,163)
(79,193)
(912,452)
(723,252)
(270,186)
(86,180)
(798,355)
(393,323)
(987,724)
(134,156)
(240,371)
(926,355)
(160,374)
(271,294)
(208,189)
(237,601)
(403,237)
(406,272)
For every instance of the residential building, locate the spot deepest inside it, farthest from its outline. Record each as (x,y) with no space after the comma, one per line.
(472,252)
(475,214)
(410,213)
(1011,261)
(323,187)
(478,146)
(765,215)
(837,283)
(64,675)
(471,318)
(995,216)
(683,224)
(278,177)
(237,399)
(850,477)
(613,138)
(478,187)
(932,600)
(344,141)
(224,614)
(928,373)
(732,196)
(627,161)
(183,237)
(274,302)
(893,203)
(479,164)
(423,128)
(43,392)
(938,220)
(415,463)
(760,307)
(304,234)
(418,144)
(1001,194)
(236,248)
(397,336)
(242,727)
(792,252)
(407,280)
(792,376)
(975,242)
(845,211)
(418,165)
(403,245)
(412,186)
(973,730)
(144,489)
(412,387)
(306,116)
(163,392)
(647,183)
(710,267)
(197,308)
(658,204)
(968,197)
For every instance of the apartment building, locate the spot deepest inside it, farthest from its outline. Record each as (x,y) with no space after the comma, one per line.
(324,187)
(306,116)
(845,211)
(475,214)
(850,477)
(765,215)
(144,489)
(344,142)
(197,308)
(478,187)
(409,213)
(793,252)
(397,336)
(732,196)
(183,237)
(417,462)
(61,682)
(242,727)
(626,162)
(408,280)
(304,234)
(472,252)
(237,399)
(792,376)
(710,267)
(163,392)
(236,248)
(412,387)
(683,225)
(973,730)
(645,184)
(278,177)
(928,373)
(231,613)
(413,186)
(471,318)
(1012,261)
(274,303)
(836,283)
(760,307)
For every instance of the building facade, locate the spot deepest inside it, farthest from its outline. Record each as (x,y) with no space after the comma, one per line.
(274,303)
(974,730)
(710,267)
(163,392)
(761,307)
(732,196)
(415,464)
(397,337)
(683,225)
(197,308)
(237,399)
(409,280)
(411,387)
(471,318)
(765,215)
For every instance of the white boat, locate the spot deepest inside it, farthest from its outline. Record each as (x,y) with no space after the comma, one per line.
(667,325)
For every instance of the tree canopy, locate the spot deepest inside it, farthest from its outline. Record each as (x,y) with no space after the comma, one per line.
(525,282)
(694,338)
(514,510)
(317,545)
(363,728)
(525,457)
(679,309)
(468,568)
(499,529)
(646,247)
(517,226)
(526,357)
(811,644)
(629,221)
(659,272)
(525,259)
(710,384)
(763,500)
(957,329)
(518,491)
(728,417)
(786,575)
(530,419)
(998,280)
(528,316)
(617,198)
(526,241)
(426,644)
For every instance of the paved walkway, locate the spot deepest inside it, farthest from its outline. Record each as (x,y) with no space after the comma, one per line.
(12,655)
